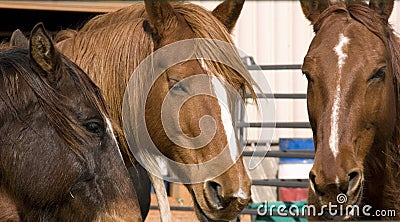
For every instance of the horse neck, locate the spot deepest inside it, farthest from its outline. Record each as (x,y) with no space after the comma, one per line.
(391,191)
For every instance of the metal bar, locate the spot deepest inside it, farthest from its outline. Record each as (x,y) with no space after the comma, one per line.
(181,208)
(279,96)
(241,118)
(297,125)
(281,154)
(260,143)
(281,183)
(268,182)
(273,67)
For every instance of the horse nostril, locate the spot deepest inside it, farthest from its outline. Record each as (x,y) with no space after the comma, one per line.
(354,180)
(353,175)
(214,194)
(313,184)
(312,177)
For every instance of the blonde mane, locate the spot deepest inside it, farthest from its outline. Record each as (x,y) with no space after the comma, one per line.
(118,42)
(4,45)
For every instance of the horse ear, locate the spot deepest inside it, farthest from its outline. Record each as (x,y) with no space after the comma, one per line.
(43,52)
(161,15)
(382,7)
(19,40)
(228,12)
(313,8)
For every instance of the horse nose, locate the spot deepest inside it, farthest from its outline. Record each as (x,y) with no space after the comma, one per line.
(355,180)
(313,184)
(217,200)
(213,191)
(349,184)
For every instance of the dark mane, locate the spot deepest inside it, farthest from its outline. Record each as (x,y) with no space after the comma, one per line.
(363,14)
(21,83)
(133,19)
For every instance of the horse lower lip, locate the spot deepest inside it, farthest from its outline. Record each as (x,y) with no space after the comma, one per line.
(220,217)
(201,212)
(344,215)
(338,216)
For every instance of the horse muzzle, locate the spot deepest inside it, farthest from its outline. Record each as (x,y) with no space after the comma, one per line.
(342,194)
(213,203)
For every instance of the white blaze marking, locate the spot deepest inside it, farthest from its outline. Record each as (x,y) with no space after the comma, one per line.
(337,181)
(110,131)
(334,137)
(226,117)
(343,41)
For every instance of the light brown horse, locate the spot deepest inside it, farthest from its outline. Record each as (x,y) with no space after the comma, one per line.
(116,43)
(59,158)
(353,70)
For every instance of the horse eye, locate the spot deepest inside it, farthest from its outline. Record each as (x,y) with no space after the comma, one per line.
(177,86)
(307,75)
(378,74)
(94,127)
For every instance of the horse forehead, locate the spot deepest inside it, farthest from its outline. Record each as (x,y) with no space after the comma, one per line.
(359,49)
(359,35)
(188,68)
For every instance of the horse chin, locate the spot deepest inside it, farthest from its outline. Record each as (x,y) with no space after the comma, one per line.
(200,213)
(344,215)
(322,212)
(202,216)
(218,214)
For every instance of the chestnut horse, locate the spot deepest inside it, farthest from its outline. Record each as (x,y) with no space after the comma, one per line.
(59,159)
(118,42)
(353,70)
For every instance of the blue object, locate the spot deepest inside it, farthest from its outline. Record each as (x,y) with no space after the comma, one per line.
(166,184)
(297,207)
(291,144)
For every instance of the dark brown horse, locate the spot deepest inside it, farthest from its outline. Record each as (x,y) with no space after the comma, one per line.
(59,160)
(118,42)
(353,70)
